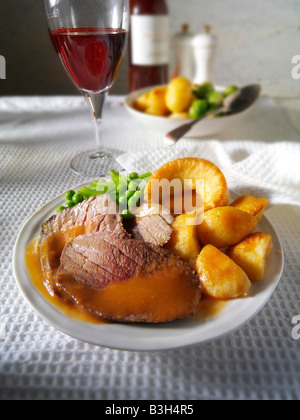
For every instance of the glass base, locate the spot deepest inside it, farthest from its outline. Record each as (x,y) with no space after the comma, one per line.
(95,163)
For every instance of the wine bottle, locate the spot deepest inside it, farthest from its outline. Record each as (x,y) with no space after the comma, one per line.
(149,43)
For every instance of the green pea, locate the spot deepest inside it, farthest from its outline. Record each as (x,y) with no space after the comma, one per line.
(123,202)
(69,195)
(133,175)
(60,208)
(198,108)
(129,194)
(121,189)
(135,200)
(127,215)
(69,204)
(133,185)
(77,198)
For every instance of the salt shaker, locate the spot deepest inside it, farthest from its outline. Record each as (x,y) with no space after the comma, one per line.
(204,46)
(184,55)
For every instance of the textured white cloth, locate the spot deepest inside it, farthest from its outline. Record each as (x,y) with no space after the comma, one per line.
(270,170)
(260,155)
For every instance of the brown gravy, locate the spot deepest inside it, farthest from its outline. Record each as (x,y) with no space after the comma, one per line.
(208,308)
(32,259)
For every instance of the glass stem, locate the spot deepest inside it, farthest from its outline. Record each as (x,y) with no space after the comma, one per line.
(98,133)
(96,103)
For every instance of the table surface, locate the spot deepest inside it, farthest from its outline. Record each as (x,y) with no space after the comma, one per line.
(38,137)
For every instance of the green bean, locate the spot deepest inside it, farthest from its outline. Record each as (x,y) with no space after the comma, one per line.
(115,176)
(87,191)
(146,175)
(101,185)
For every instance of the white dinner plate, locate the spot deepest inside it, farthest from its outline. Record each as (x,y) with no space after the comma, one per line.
(146,337)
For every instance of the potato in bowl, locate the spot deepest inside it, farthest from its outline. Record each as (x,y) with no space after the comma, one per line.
(164,108)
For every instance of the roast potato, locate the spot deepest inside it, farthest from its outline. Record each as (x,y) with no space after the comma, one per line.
(184,240)
(141,103)
(252,205)
(156,103)
(180,116)
(225,226)
(220,277)
(207,181)
(251,255)
(179,95)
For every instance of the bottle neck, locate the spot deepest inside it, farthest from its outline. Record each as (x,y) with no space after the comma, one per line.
(148,7)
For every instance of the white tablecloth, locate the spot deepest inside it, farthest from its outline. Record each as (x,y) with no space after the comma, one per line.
(260,154)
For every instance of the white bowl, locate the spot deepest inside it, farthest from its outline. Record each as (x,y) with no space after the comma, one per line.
(203,128)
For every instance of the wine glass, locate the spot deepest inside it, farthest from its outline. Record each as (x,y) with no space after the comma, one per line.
(89,37)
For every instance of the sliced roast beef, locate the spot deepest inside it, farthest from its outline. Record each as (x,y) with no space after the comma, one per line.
(90,213)
(127,280)
(97,214)
(152,224)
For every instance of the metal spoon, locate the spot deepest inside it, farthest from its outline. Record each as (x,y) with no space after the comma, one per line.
(236,102)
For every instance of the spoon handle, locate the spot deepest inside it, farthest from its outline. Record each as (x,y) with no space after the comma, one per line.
(173,136)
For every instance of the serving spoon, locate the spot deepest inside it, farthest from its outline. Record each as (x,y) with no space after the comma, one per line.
(236,102)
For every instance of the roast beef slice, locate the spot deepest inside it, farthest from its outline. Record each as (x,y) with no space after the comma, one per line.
(92,213)
(94,263)
(151,224)
(97,214)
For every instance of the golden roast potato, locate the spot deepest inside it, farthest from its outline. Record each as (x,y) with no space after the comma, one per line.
(220,277)
(225,226)
(157,102)
(251,254)
(180,116)
(141,103)
(199,175)
(184,240)
(252,205)
(179,95)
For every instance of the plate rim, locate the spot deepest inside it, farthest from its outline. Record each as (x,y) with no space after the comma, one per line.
(82,331)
